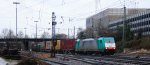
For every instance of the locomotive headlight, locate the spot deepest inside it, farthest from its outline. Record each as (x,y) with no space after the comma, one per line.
(106,48)
(114,48)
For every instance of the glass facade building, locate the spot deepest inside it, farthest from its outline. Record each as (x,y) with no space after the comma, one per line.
(138,23)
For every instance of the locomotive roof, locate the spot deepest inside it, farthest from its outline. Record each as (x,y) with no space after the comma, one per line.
(88,39)
(92,38)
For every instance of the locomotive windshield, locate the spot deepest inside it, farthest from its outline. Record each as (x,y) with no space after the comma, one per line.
(109,40)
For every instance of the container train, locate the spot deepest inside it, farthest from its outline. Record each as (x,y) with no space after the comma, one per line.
(102,45)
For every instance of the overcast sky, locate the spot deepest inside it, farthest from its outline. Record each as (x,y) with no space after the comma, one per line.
(74,13)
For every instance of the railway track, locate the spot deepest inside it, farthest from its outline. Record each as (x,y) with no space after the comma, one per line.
(112,60)
(98,60)
(95,60)
(91,61)
(129,59)
(53,62)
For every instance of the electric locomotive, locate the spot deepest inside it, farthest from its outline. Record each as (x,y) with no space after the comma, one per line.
(102,45)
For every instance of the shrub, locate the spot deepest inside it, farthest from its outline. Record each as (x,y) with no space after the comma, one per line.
(143,43)
(28,62)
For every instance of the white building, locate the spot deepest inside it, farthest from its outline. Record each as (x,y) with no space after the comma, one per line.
(105,17)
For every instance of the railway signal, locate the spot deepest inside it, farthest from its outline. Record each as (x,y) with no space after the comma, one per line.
(54,42)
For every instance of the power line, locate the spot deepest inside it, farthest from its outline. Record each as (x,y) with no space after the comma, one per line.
(57,15)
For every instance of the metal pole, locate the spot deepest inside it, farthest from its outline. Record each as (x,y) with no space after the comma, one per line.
(53,34)
(53,25)
(25,32)
(74,32)
(36,30)
(123,36)
(68,33)
(16,3)
(16,20)
(36,35)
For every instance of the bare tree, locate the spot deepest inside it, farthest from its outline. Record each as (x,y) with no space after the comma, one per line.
(20,34)
(101,30)
(10,34)
(4,33)
(7,33)
(1,36)
(61,36)
(81,35)
(89,33)
(79,30)
(94,32)
(26,36)
(45,35)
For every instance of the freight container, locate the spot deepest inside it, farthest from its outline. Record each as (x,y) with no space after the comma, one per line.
(68,44)
(48,46)
(41,45)
(57,47)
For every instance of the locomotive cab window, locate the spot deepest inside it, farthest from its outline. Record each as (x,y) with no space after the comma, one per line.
(100,41)
(109,41)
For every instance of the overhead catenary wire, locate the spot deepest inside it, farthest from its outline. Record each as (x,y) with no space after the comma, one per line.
(47,12)
(31,8)
(65,17)
(57,15)
(40,2)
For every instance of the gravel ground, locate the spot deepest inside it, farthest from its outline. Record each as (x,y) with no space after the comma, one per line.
(68,61)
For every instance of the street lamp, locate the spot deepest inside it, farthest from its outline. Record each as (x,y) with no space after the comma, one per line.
(36,33)
(16,3)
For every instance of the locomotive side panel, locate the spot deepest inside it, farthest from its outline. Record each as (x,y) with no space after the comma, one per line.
(87,45)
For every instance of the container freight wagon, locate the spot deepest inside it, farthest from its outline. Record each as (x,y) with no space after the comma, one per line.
(41,46)
(68,46)
(102,45)
(57,47)
(63,46)
(47,45)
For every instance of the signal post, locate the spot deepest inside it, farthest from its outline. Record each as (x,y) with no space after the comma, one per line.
(54,41)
